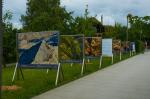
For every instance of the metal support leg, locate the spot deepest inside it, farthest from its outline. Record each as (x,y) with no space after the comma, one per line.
(57,76)
(88,60)
(120,55)
(82,67)
(21,73)
(71,64)
(112,59)
(47,71)
(15,72)
(62,73)
(130,53)
(100,62)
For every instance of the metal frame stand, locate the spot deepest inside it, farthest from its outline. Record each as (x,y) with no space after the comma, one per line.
(112,61)
(71,64)
(101,59)
(120,55)
(83,63)
(57,76)
(17,69)
(59,73)
(100,62)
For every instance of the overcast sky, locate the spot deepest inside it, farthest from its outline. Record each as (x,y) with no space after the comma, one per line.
(112,10)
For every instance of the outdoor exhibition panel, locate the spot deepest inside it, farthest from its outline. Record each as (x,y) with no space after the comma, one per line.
(37,50)
(71,49)
(107,47)
(107,50)
(116,46)
(92,47)
(132,46)
(126,46)
(117,49)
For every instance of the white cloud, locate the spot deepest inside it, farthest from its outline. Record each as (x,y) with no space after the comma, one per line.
(17,25)
(17,7)
(112,10)
(107,20)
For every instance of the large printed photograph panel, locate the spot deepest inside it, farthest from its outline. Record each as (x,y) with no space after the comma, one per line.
(107,47)
(71,48)
(38,48)
(125,46)
(132,47)
(116,46)
(93,46)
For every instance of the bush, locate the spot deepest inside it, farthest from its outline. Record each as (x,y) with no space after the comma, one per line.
(139,46)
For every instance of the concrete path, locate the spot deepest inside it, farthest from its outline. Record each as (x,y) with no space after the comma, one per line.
(129,79)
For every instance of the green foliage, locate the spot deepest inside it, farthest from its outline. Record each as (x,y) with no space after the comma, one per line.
(44,15)
(139,46)
(120,32)
(9,39)
(139,27)
(109,32)
(84,24)
(70,48)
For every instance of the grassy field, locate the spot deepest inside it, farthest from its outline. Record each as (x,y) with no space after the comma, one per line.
(38,81)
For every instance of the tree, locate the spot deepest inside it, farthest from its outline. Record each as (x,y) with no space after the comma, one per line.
(9,39)
(120,32)
(128,17)
(85,24)
(139,27)
(109,31)
(44,15)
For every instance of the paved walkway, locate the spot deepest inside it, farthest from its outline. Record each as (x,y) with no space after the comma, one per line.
(129,79)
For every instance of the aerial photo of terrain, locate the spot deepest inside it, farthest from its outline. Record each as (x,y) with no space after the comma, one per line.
(92,46)
(116,46)
(38,48)
(71,48)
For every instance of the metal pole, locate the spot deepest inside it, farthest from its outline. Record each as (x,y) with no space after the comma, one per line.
(127,29)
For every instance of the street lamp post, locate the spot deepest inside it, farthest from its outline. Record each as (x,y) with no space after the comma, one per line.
(127,28)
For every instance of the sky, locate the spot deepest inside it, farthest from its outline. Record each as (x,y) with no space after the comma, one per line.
(112,10)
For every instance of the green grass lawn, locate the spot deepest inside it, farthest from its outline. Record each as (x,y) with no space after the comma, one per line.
(38,81)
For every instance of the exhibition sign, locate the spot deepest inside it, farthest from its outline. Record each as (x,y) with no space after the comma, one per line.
(133,47)
(106,50)
(38,49)
(71,48)
(92,46)
(107,47)
(116,46)
(126,46)
(117,49)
